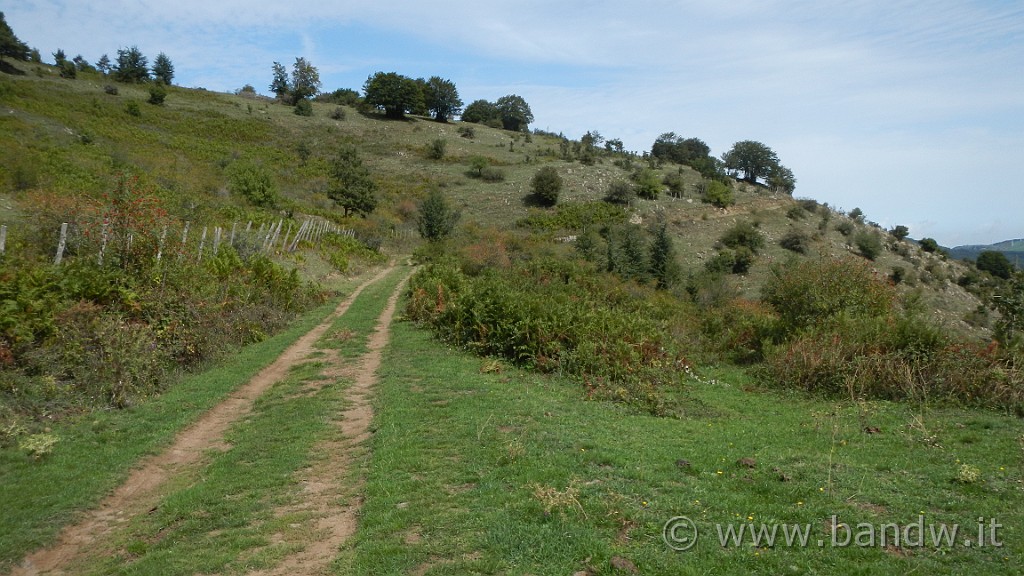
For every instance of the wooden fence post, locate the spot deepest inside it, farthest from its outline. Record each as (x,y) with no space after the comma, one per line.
(298,236)
(277,234)
(259,233)
(160,245)
(184,239)
(60,245)
(202,242)
(284,243)
(103,243)
(3,239)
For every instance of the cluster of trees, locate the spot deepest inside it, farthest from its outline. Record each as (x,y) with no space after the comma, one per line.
(303,84)
(750,160)
(131,65)
(395,94)
(759,162)
(626,250)
(692,152)
(588,148)
(509,112)
(399,95)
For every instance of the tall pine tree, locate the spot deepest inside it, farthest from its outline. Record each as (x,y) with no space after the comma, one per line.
(663,266)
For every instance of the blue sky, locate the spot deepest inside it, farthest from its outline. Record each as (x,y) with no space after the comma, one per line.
(912,111)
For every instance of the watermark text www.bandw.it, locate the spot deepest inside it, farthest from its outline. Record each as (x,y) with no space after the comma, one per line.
(680,533)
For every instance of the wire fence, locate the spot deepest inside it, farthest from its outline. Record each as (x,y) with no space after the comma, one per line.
(270,237)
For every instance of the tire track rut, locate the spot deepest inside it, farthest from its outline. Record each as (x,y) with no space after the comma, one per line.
(140,492)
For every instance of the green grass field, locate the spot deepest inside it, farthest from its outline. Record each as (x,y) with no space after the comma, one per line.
(478,468)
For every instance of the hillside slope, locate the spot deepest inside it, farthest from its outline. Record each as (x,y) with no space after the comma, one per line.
(67,140)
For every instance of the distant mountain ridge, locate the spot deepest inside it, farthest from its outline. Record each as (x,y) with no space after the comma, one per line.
(1013,249)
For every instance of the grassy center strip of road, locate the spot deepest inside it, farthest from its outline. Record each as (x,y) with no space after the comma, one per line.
(243,509)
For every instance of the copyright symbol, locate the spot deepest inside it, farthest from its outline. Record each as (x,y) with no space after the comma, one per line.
(679,533)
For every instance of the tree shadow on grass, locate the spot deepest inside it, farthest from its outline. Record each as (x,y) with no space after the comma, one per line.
(8,68)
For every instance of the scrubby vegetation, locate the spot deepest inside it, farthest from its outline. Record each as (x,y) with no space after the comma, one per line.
(562,317)
(827,326)
(128,309)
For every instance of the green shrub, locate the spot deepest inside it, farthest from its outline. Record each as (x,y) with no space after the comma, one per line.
(337,114)
(558,316)
(588,245)
(132,108)
(796,242)
(620,192)
(492,174)
(436,149)
(546,185)
(67,70)
(995,263)
(796,212)
(809,205)
(627,253)
(436,218)
(127,327)
(721,263)
(845,227)
(718,194)
(743,234)
(810,292)
(894,358)
(157,93)
(254,183)
(574,216)
(477,164)
(738,330)
(897,275)
(868,244)
(103,357)
(647,184)
(929,245)
(303,107)
(734,261)
(674,182)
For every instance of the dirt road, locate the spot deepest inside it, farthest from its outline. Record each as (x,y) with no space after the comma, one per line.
(141,491)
